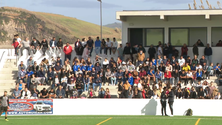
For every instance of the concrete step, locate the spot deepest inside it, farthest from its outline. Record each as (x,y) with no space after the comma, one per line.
(7,77)
(8,81)
(7,71)
(10,69)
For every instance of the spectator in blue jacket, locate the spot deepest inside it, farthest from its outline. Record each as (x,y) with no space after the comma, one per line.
(50,77)
(119,75)
(208,54)
(199,75)
(60,93)
(130,80)
(84,67)
(89,68)
(41,76)
(53,44)
(97,45)
(217,69)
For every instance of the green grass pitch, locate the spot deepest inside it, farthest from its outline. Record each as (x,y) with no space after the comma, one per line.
(109,120)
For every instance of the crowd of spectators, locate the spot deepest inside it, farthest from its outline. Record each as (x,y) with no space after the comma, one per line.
(135,75)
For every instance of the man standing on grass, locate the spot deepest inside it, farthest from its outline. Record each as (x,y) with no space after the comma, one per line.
(163,98)
(4,105)
(171,100)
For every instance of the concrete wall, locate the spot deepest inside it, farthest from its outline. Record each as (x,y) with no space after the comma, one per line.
(173,22)
(134,107)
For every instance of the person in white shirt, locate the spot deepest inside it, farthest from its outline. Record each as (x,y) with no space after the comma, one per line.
(169,67)
(83,42)
(108,46)
(131,67)
(26,94)
(189,77)
(19,39)
(198,66)
(25,45)
(105,63)
(181,61)
(114,45)
(53,45)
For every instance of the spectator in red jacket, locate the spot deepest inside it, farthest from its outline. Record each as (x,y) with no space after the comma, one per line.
(142,74)
(68,51)
(184,51)
(167,75)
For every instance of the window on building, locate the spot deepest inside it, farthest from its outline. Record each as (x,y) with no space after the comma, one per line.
(153,36)
(216,35)
(197,33)
(189,36)
(178,37)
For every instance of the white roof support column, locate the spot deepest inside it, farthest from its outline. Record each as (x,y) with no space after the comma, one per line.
(166,35)
(207,16)
(209,35)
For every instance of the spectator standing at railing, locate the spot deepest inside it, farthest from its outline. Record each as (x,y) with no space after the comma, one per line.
(184,51)
(68,51)
(35,45)
(127,51)
(60,45)
(195,50)
(25,45)
(53,45)
(97,45)
(208,53)
(44,46)
(78,47)
(115,45)
(90,46)
(103,46)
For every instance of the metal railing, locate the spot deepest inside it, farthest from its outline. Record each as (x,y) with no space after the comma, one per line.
(2,56)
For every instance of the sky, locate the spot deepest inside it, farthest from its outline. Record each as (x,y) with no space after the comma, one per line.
(89,10)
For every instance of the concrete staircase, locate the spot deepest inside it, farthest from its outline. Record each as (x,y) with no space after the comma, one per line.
(8,75)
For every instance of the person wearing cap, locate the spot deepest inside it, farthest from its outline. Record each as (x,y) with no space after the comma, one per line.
(35,45)
(123,67)
(163,99)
